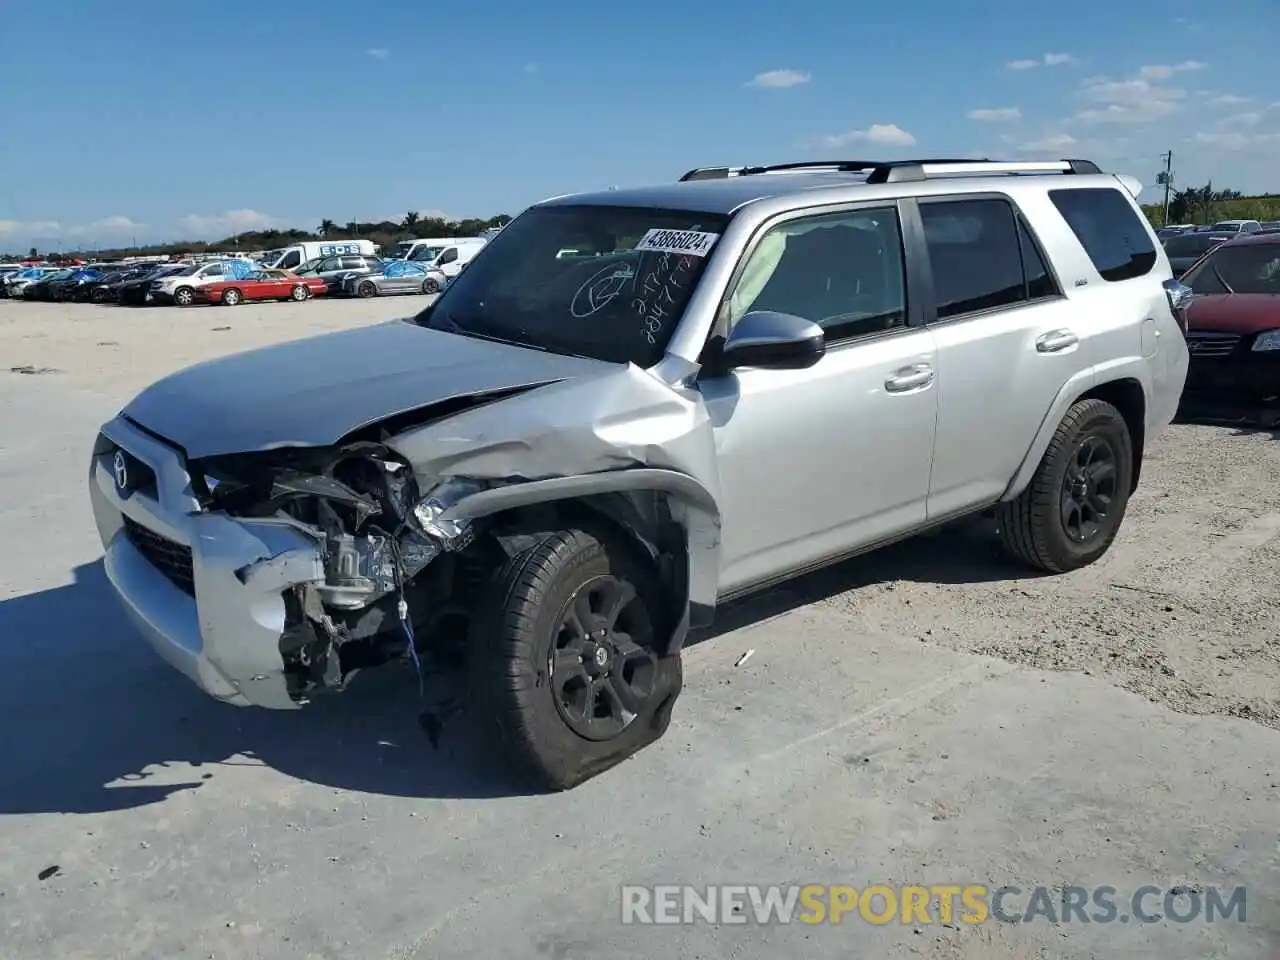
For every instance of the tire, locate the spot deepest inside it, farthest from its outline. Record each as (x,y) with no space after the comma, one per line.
(525,716)
(184,296)
(367,289)
(300,293)
(1046,526)
(231,297)
(430,285)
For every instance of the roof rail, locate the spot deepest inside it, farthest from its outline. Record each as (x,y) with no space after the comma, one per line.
(905,170)
(897,171)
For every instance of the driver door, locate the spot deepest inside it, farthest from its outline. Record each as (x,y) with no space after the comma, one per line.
(821,462)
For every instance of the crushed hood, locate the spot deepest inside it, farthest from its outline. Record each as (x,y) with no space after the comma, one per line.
(313,392)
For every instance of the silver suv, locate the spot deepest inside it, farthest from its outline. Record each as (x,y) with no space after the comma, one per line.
(562,465)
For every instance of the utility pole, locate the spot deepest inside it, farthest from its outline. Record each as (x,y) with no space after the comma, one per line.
(1165,177)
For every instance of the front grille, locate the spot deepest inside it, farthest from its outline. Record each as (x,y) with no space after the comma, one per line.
(1211,345)
(170,558)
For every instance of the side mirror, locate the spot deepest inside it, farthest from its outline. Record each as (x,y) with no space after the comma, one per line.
(775,341)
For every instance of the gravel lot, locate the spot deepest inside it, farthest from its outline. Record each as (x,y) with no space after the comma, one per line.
(928,714)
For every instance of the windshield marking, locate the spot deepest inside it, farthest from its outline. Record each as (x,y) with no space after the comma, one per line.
(692,242)
(601,289)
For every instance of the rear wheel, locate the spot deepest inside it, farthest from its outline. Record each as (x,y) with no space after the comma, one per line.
(1071,511)
(367,289)
(430,285)
(300,292)
(231,297)
(184,296)
(563,663)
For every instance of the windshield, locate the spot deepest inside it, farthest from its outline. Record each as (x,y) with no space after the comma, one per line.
(401,250)
(1243,268)
(1190,244)
(1228,226)
(608,301)
(426,254)
(60,275)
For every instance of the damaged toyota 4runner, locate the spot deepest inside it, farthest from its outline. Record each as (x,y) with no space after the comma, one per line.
(636,405)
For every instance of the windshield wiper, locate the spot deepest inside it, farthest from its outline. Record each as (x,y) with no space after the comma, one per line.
(448,325)
(1225,286)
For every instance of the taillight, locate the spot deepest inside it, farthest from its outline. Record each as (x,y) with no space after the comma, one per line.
(1180,297)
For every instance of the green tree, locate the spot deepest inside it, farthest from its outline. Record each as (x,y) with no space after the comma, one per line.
(326,227)
(32,253)
(410,220)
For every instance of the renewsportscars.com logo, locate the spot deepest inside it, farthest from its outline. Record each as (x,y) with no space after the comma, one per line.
(919,905)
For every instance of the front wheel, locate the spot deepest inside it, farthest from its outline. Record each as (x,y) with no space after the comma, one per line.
(300,293)
(430,285)
(184,296)
(1071,511)
(232,297)
(563,663)
(366,289)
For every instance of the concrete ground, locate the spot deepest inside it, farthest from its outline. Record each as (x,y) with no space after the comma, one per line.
(926,715)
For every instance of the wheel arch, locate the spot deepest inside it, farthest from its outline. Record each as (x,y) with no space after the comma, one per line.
(669,516)
(1124,389)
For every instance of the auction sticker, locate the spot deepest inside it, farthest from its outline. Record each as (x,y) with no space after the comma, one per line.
(691,242)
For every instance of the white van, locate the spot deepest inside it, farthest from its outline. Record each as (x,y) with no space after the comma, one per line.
(445,254)
(291,257)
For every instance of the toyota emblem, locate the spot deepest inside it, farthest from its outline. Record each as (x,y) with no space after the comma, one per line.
(121,469)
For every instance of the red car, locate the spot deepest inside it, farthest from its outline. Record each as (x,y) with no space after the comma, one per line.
(264,285)
(1233,323)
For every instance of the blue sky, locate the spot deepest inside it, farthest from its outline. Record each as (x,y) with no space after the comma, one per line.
(152,120)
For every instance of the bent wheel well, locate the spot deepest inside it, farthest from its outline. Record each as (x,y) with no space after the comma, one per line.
(1127,397)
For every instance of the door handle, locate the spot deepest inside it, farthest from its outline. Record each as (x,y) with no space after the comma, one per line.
(1056,340)
(910,378)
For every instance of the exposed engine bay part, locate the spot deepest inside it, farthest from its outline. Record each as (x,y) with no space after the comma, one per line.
(365,599)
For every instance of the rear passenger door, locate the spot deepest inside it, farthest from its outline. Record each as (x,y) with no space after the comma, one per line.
(815,463)
(1007,343)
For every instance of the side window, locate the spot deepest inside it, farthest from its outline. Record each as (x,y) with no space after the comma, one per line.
(448,256)
(213,270)
(1105,223)
(977,249)
(292,260)
(353,263)
(842,271)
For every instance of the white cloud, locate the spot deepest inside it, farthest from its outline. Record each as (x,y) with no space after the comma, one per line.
(225,224)
(1127,101)
(1234,140)
(1230,100)
(880,134)
(996,114)
(378,53)
(1163,72)
(1048,60)
(778,79)
(1243,120)
(29,228)
(55,228)
(1050,143)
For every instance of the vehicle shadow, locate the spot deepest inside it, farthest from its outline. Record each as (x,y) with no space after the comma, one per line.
(1247,419)
(107,726)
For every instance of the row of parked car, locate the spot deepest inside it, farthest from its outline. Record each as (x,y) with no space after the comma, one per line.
(235,280)
(1184,245)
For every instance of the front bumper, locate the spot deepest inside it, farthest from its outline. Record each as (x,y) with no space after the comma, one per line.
(191,581)
(1227,366)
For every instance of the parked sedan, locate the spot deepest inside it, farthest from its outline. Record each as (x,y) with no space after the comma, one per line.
(39,289)
(18,281)
(264,285)
(106,289)
(134,292)
(1233,324)
(397,276)
(332,269)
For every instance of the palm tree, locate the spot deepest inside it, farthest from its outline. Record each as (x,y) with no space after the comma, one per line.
(410,220)
(327,227)
(352,227)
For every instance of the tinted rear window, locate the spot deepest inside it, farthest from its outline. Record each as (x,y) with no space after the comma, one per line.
(1190,245)
(1109,229)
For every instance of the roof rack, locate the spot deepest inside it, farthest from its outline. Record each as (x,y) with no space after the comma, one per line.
(898,171)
